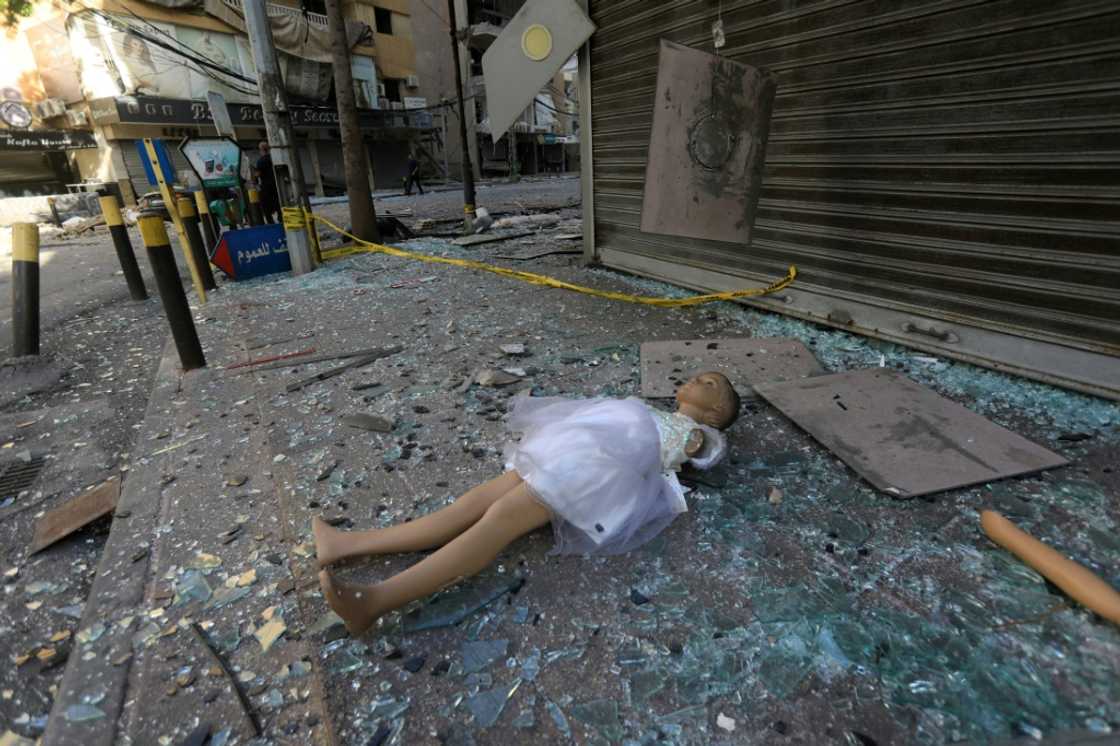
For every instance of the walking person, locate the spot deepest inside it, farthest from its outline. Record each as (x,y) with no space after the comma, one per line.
(413,175)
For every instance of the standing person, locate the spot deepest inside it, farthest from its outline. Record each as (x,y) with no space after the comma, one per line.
(413,175)
(266,180)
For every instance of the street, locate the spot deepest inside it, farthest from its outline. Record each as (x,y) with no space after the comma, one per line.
(828,613)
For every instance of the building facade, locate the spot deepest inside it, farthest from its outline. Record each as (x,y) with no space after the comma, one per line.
(942,173)
(118,71)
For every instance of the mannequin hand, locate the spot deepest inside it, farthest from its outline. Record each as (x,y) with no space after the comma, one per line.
(695,442)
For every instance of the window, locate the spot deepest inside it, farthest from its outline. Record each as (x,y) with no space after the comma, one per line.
(314,6)
(392,88)
(383,20)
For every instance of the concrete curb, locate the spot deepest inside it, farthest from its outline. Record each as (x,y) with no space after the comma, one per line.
(91,678)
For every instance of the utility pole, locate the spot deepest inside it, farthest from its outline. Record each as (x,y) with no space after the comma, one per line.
(468,172)
(363,215)
(278,125)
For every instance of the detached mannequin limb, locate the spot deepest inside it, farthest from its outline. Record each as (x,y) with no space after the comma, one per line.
(510,517)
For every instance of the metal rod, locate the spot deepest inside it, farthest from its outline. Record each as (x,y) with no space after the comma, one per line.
(194,238)
(171,294)
(25,289)
(468,170)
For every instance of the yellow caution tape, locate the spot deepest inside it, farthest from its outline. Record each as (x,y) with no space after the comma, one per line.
(365,247)
(294,217)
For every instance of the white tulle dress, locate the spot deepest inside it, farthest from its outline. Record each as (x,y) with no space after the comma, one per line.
(605,468)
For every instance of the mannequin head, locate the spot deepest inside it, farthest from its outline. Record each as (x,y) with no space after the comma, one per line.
(709,399)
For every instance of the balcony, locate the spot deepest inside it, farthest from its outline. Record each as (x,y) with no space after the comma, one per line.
(275,11)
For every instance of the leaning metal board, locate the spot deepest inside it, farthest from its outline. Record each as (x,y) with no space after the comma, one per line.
(903,437)
(745,362)
(711,120)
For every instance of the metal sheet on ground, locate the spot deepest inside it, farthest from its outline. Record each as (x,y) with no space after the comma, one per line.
(711,120)
(745,362)
(81,511)
(904,438)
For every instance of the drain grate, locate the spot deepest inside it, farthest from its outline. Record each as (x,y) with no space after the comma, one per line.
(17,475)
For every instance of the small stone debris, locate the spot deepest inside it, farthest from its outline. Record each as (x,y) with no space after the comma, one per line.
(638,598)
(237,480)
(494,378)
(414,664)
(725,723)
(775,497)
(270,632)
(369,422)
(514,350)
(325,474)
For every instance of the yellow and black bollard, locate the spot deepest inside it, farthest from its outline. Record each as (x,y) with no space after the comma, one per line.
(256,217)
(25,289)
(111,210)
(171,292)
(210,229)
(233,213)
(194,238)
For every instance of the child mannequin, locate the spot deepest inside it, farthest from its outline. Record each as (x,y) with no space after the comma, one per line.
(602,471)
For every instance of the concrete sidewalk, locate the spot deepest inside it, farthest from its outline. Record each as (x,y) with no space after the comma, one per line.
(809,621)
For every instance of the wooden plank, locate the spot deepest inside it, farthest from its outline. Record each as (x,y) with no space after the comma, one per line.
(81,511)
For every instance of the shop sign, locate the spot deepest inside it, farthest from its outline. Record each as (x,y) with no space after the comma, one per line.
(216,160)
(46,140)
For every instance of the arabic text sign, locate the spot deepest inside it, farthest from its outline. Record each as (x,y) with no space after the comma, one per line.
(253,252)
(216,160)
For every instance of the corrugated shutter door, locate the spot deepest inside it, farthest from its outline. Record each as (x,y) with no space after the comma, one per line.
(26,168)
(135,166)
(954,159)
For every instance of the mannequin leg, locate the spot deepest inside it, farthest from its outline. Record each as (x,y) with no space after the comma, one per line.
(513,515)
(427,532)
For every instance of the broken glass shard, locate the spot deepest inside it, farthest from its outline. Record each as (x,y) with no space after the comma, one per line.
(602,715)
(455,606)
(478,654)
(487,706)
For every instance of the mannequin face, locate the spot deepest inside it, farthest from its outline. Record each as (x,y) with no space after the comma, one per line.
(708,398)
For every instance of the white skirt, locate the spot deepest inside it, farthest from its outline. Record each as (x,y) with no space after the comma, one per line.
(596,465)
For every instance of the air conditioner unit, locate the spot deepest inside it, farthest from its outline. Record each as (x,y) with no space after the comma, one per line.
(412,81)
(77,117)
(381,90)
(396,105)
(51,107)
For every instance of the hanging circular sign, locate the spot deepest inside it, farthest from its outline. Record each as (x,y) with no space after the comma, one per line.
(15,114)
(536,42)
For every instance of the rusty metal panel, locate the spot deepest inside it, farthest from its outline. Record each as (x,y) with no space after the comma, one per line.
(711,116)
(948,162)
(902,437)
(745,362)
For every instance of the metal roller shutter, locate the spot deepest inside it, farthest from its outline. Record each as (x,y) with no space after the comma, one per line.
(135,167)
(944,173)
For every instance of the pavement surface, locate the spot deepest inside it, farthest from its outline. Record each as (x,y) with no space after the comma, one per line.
(832,614)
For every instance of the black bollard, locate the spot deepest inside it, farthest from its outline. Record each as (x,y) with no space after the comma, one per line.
(194,238)
(111,210)
(206,220)
(25,289)
(256,217)
(171,292)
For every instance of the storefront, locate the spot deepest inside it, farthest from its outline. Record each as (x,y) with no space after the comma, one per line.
(35,162)
(124,120)
(943,174)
